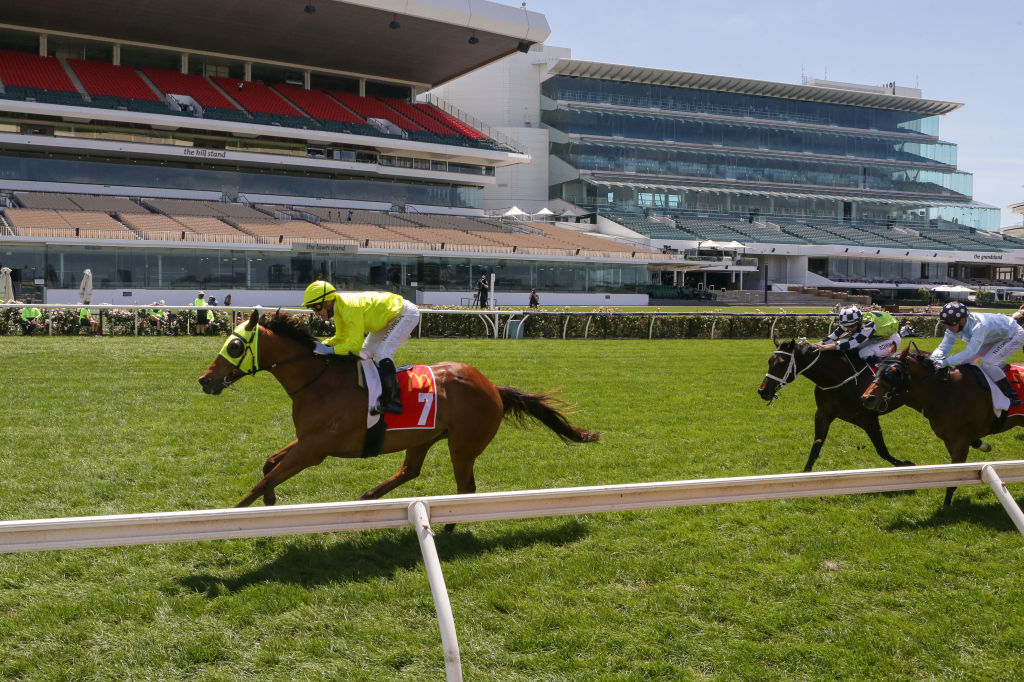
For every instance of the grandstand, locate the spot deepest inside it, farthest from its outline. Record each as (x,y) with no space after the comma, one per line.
(192,221)
(253,163)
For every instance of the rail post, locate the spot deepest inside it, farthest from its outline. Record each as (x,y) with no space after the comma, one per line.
(420,520)
(989,475)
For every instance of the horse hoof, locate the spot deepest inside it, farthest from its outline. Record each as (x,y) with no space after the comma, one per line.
(985,447)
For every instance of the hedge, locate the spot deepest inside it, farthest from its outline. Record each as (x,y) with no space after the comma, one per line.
(539,325)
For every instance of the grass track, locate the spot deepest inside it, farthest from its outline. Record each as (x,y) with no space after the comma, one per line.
(866,587)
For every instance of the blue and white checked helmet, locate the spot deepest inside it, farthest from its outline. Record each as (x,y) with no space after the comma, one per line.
(850,317)
(953,313)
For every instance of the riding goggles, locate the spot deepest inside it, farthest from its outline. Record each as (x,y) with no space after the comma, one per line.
(240,348)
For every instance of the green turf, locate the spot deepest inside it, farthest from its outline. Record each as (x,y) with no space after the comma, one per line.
(859,587)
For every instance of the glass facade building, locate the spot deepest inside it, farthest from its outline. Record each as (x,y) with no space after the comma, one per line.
(634,139)
(116,266)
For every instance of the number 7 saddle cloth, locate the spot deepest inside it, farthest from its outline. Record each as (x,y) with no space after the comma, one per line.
(419,397)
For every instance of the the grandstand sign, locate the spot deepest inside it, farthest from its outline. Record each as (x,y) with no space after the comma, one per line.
(989,256)
(316,246)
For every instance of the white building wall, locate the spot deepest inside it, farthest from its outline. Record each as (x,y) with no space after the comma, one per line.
(506,96)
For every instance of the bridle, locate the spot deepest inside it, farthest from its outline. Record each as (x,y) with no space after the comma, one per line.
(893,387)
(247,350)
(791,368)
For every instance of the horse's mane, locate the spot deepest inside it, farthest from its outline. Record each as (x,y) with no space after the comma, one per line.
(923,357)
(289,327)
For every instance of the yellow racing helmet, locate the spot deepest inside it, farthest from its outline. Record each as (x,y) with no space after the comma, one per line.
(318,293)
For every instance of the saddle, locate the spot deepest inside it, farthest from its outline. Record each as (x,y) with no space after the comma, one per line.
(418,401)
(1015,375)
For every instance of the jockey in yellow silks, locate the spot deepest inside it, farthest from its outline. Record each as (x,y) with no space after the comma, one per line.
(388,318)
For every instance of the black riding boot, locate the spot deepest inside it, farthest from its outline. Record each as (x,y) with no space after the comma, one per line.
(1009,391)
(391,394)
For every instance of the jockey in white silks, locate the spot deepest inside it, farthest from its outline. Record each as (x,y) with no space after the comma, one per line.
(991,339)
(857,333)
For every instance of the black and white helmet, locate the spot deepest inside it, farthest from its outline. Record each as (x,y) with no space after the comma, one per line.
(850,317)
(953,313)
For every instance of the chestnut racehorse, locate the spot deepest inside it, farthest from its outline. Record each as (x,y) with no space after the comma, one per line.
(958,406)
(329,407)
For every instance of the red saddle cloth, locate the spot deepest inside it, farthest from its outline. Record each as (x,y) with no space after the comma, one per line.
(419,399)
(1015,373)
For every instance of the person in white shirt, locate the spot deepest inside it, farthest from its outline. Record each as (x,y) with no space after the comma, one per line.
(991,339)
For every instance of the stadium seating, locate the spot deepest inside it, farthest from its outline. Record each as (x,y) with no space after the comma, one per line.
(25,70)
(288,231)
(53,223)
(375,235)
(257,97)
(106,204)
(44,79)
(450,121)
(212,209)
(317,104)
(196,87)
(578,240)
(370,107)
(206,226)
(101,78)
(418,116)
(46,200)
(339,215)
(148,223)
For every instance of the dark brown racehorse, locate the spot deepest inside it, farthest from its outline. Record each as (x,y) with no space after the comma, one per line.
(329,408)
(958,407)
(839,380)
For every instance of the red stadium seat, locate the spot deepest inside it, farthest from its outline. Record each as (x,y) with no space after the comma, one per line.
(450,121)
(257,97)
(100,78)
(421,118)
(196,87)
(25,70)
(317,104)
(371,107)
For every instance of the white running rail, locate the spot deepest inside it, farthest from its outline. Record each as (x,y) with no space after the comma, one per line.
(214,524)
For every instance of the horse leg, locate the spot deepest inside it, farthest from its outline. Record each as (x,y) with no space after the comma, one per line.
(464,451)
(822,422)
(299,456)
(957,455)
(874,431)
(410,469)
(982,445)
(269,498)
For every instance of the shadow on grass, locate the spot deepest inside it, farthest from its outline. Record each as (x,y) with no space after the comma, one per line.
(989,515)
(356,560)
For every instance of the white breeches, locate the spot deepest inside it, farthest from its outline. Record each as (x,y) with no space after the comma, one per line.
(384,342)
(880,348)
(998,353)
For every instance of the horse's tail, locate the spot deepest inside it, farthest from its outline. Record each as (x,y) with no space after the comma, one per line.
(519,405)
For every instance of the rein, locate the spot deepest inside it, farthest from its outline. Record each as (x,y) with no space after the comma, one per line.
(847,379)
(886,397)
(792,368)
(308,383)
